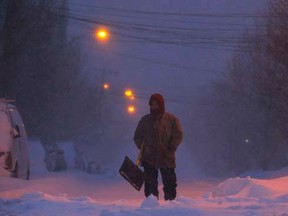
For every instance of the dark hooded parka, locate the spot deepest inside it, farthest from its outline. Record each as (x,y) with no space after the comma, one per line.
(161,134)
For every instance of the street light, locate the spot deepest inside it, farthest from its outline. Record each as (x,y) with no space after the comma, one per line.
(128,93)
(102,34)
(131,109)
(106,86)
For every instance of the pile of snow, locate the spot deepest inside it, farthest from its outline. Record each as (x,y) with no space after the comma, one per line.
(241,187)
(150,202)
(273,189)
(36,156)
(69,153)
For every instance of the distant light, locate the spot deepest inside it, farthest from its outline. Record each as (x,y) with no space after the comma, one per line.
(131,109)
(106,86)
(247,140)
(102,34)
(128,93)
(132,97)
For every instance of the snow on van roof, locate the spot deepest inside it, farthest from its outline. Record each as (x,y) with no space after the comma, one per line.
(4,106)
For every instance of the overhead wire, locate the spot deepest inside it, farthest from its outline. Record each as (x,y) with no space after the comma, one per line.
(206,38)
(179,38)
(225,39)
(189,14)
(231,42)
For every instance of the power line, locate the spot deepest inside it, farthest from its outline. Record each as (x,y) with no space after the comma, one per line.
(224,39)
(182,41)
(158,27)
(182,36)
(139,17)
(184,14)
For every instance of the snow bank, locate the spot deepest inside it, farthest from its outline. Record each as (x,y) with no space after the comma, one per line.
(242,187)
(69,153)
(259,196)
(37,155)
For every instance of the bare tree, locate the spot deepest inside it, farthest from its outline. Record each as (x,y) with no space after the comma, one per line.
(248,115)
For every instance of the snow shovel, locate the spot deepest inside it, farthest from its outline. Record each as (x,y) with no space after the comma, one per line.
(131,172)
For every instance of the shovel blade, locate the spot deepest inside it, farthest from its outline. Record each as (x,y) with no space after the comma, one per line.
(132,173)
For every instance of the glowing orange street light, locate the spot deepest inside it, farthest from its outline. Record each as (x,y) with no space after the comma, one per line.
(102,34)
(128,93)
(106,86)
(132,97)
(131,109)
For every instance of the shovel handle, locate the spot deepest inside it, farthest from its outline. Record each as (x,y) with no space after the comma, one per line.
(139,158)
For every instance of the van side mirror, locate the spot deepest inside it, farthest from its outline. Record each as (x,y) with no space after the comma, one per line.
(15,132)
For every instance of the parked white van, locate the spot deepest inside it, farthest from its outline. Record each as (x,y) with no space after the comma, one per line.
(13,141)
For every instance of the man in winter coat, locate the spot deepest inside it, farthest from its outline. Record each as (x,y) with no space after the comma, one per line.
(160,134)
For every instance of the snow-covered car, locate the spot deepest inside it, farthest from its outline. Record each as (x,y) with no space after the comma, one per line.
(13,142)
(54,156)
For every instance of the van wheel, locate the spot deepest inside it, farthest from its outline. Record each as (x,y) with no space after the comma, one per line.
(15,172)
(28,174)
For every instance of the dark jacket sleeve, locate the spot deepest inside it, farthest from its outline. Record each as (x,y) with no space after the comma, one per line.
(139,135)
(177,134)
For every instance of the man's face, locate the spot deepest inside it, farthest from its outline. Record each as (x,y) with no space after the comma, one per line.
(154,105)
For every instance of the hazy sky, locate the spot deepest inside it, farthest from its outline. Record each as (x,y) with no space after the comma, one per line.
(176,71)
(180,69)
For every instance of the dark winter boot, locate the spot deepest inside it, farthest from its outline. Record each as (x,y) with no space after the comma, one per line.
(151,180)
(170,183)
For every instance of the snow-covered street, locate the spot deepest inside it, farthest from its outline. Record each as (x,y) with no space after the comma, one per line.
(103,197)
(76,193)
